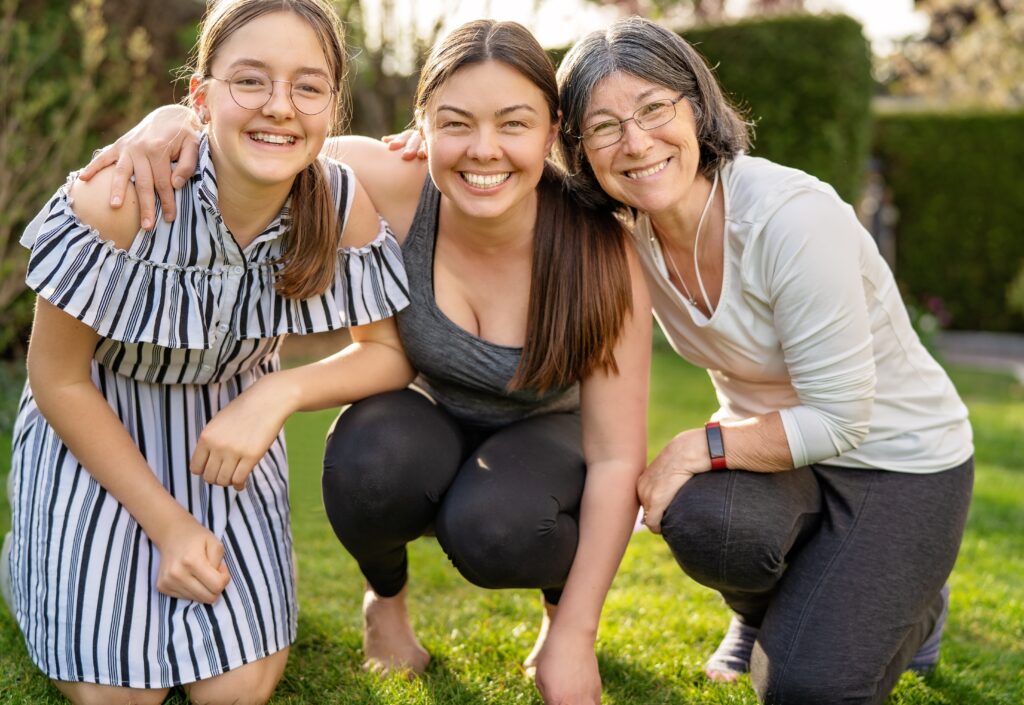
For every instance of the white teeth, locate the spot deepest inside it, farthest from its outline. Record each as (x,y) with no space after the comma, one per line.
(647,172)
(272,139)
(485,180)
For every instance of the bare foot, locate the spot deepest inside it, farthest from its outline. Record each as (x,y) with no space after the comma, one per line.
(389,642)
(530,664)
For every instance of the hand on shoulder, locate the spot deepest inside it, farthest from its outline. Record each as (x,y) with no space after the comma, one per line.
(91,203)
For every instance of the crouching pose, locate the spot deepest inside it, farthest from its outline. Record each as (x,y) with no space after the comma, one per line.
(827,498)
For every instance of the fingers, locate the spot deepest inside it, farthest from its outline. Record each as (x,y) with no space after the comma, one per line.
(101,159)
(144,190)
(199,458)
(188,159)
(652,519)
(219,471)
(161,170)
(196,576)
(242,472)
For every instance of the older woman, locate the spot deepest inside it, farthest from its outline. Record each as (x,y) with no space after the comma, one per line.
(826,498)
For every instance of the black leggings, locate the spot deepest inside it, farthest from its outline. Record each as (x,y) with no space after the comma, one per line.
(503,503)
(839,567)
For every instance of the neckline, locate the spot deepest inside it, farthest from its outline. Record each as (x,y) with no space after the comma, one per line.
(209,194)
(658,257)
(431,232)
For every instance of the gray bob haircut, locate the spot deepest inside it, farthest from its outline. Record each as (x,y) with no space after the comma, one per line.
(648,51)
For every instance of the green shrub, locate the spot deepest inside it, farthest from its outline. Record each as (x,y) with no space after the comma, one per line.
(806,82)
(957,180)
(65,77)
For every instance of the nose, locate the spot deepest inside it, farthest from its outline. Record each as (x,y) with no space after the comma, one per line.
(280,104)
(635,140)
(485,145)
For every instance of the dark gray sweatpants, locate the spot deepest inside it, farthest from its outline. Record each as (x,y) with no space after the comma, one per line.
(839,567)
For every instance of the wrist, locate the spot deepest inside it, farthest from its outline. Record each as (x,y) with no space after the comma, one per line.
(162,520)
(583,634)
(281,392)
(715,445)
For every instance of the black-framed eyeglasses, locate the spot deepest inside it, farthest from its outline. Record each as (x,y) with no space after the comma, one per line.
(252,89)
(647,117)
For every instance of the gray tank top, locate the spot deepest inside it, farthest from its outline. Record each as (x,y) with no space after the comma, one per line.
(466,375)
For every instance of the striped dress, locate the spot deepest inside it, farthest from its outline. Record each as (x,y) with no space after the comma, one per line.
(188,321)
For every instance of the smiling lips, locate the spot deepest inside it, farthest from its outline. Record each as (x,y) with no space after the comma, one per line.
(649,171)
(485,180)
(271,138)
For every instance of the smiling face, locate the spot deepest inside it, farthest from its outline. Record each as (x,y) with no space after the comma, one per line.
(265,147)
(488,130)
(651,170)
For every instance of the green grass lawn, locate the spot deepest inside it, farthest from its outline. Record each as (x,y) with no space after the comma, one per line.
(658,625)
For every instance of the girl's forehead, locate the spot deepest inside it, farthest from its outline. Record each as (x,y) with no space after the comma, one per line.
(279,40)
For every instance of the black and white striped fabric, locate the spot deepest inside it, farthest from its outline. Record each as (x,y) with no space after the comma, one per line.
(189,320)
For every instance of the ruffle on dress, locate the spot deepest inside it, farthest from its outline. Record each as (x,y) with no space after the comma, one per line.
(132,296)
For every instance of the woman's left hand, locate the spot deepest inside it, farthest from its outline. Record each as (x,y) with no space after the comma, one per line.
(683,457)
(409,141)
(567,671)
(239,435)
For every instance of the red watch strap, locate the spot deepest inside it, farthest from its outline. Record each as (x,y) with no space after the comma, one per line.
(716,446)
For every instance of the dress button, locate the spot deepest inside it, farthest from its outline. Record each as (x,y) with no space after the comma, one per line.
(223,327)
(236,270)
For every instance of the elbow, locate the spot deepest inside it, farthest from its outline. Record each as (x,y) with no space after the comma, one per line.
(853,427)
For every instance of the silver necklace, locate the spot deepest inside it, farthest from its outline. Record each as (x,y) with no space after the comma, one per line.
(696,241)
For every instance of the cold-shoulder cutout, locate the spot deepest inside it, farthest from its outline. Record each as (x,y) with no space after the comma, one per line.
(392,183)
(90,202)
(186,284)
(363,222)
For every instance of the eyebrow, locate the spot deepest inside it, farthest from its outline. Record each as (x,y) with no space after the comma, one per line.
(497,113)
(639,99)
(301,71)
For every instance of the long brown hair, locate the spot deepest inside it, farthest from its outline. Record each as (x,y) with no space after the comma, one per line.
(310,253)
(579,287)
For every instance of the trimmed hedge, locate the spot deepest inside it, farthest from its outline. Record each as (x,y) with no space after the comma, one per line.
(958,182)
(805,81)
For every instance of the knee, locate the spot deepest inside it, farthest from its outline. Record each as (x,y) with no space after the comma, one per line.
(719,547)
(252,684)
(500,546)
(92,694)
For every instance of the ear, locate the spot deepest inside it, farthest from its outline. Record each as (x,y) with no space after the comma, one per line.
(197,97)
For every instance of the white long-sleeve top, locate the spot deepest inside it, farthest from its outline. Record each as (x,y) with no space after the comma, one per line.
(810,324)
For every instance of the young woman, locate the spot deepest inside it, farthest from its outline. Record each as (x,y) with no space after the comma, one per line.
(129,575)
(530,331)
(826,500)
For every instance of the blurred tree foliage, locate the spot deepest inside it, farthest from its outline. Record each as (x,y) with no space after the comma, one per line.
(972,55)
(67,77)
(386,48)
